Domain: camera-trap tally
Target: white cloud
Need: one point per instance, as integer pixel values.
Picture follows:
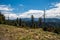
(11, 16)
(5, 8)
(51, 13)
(54, 12)
(35, 13)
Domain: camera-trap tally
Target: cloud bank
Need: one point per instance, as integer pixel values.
(7, 11)
(51, 13)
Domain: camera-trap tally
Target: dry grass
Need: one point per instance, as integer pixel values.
(14, 33)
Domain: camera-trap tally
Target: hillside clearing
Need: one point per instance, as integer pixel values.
(15, 33)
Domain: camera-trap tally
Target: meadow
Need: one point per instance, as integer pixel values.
(8, 32)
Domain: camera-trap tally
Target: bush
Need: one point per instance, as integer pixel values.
(57, 30)
(50, 29)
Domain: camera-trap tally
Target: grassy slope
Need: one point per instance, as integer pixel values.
(14, 33)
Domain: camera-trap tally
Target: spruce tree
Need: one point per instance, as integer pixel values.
(32, 21)
(2, 18)
(20, 22)
(39, 22)
(17, 22)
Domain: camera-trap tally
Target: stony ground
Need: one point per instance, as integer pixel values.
(14, 33)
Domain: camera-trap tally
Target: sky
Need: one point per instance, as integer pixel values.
(26, 8)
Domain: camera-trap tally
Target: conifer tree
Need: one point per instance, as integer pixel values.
(20, 22)
(32, 21)
(17, 22)
(2, 18)
(39, 22)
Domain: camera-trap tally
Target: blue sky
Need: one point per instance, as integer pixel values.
(26, 8)
(24, 5)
